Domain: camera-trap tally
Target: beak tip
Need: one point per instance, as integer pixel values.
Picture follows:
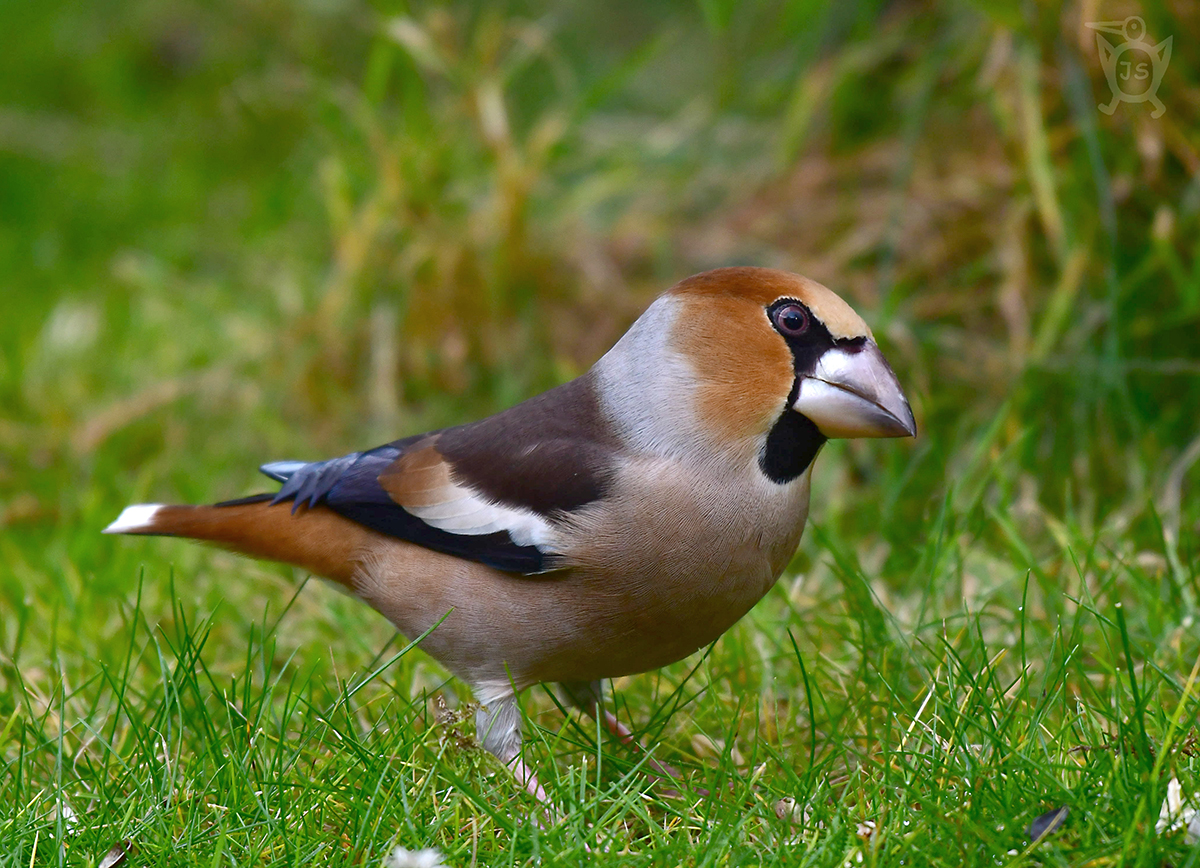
(902, 426)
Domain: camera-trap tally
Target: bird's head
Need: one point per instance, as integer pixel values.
(754, 355)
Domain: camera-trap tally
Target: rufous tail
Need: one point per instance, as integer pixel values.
(317, 539)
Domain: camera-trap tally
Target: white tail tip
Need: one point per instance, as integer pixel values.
(134, 518)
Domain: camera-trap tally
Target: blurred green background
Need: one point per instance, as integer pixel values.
(352, 219)
(234, 232)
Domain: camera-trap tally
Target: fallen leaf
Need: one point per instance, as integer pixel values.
(1047, 823)
(116, 856)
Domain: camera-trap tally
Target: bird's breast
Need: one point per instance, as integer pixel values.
(675, 561)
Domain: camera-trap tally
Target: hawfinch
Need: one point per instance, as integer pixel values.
(609, 526)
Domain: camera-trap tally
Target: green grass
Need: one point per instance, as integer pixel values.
(238, 232)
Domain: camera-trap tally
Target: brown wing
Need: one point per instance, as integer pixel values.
(489, 491)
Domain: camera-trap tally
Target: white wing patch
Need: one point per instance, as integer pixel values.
(422, 483)
(466, 512)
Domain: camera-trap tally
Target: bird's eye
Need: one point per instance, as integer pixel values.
(791, 319)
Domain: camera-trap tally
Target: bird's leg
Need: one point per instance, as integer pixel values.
(589, 697)
(498, 728)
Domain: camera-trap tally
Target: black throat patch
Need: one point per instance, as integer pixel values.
(792, 444)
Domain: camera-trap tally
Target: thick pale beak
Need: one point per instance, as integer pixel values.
(855, 394)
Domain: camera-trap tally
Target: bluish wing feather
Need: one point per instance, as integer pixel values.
(309, 482)
(281, 471)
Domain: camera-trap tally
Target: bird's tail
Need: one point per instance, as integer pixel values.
(315, 539)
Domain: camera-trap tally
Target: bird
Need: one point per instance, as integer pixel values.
(609, 526)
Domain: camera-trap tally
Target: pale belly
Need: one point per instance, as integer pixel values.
(614, 613)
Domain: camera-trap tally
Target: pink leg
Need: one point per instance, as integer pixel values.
(527, 778)
(588, 697)
(622, 733)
